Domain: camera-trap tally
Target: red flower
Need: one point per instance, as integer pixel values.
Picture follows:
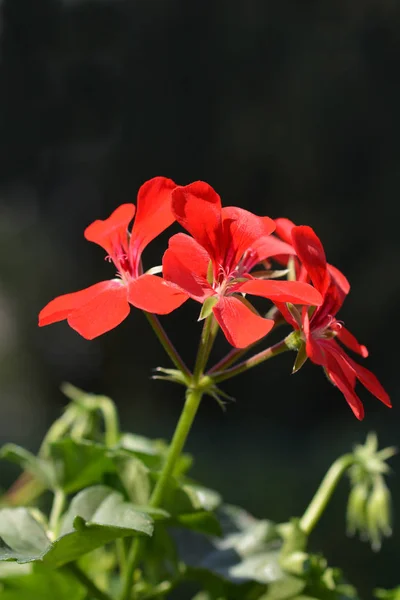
(320, 329)
(105, 305)
(284, 228)
(214, 265)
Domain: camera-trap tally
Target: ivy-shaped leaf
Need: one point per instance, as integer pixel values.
(96, 516)
(79, 464)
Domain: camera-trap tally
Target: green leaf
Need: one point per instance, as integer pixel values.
(284, 588)
(44, 584)
(387, 594)
(202, 497)
(135, 478)
(301, 358)
(79, 464)
(243, 533)
(263, 568)
(41, 469)
(96, 516)
(188, 497)
(153, 452)
(101, 505)
(22, 538)
(207, 307)
(161, 561)
(200, 521)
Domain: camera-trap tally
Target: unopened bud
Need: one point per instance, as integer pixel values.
(379, 513)
(356, 509)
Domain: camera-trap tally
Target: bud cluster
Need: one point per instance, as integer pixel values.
(369, 503)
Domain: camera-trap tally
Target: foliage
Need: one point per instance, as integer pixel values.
(101, 499)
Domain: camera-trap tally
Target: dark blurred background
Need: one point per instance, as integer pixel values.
(288, 109)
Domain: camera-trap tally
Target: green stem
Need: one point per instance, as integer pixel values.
(56, 511)
(88, 583)
(167, 344)
(228, 360)
(183, 427)
(58, 429)
(208, 334)
(178, 441)
(192, 403)
(236, 353)
(111, 422)
(323, 494)
(255, 360)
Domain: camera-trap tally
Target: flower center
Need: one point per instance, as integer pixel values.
(122, 262)
(227, 278)
(328, 329)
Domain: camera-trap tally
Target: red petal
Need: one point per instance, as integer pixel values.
(370, 381)
(315, 350)
(333, 300)
(190, 254)
(155, 295)
(103, 312)
(197, 208)
(325, 353)
(311, 253)
(240, 325)
(242, 230)
(284, 229)
(283, 309)
(350, 341)
(63, 306)
(295, 292)
(272, 246)
(154, 213)
(339, 279)
(342, 359)
(112, 231)
(338, 377)
(178, 273)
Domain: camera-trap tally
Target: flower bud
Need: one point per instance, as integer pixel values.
(368, 508)
(356, 509)
(378, 511)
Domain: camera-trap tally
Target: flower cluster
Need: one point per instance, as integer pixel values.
(225, 256)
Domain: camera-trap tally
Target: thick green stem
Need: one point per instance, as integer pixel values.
(91, 587)
(167, 344)
(185, 422)
(323, 494)
(255, 360)
(186, 419)
(192, 403)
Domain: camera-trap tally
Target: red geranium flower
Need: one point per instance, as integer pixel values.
(103, 306)
(321, 330)
(214, 265)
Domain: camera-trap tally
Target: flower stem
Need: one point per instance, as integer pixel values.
(111, 423)
(193, 398)
(228, 360)
(91, 587)
(56, 511)
(255, 360)
(167, 344)
(322, 496)
(186, 419)
(208, 334)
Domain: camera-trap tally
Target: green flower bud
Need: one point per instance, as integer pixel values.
(368, 508)
(378, 512)
(356, 509)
